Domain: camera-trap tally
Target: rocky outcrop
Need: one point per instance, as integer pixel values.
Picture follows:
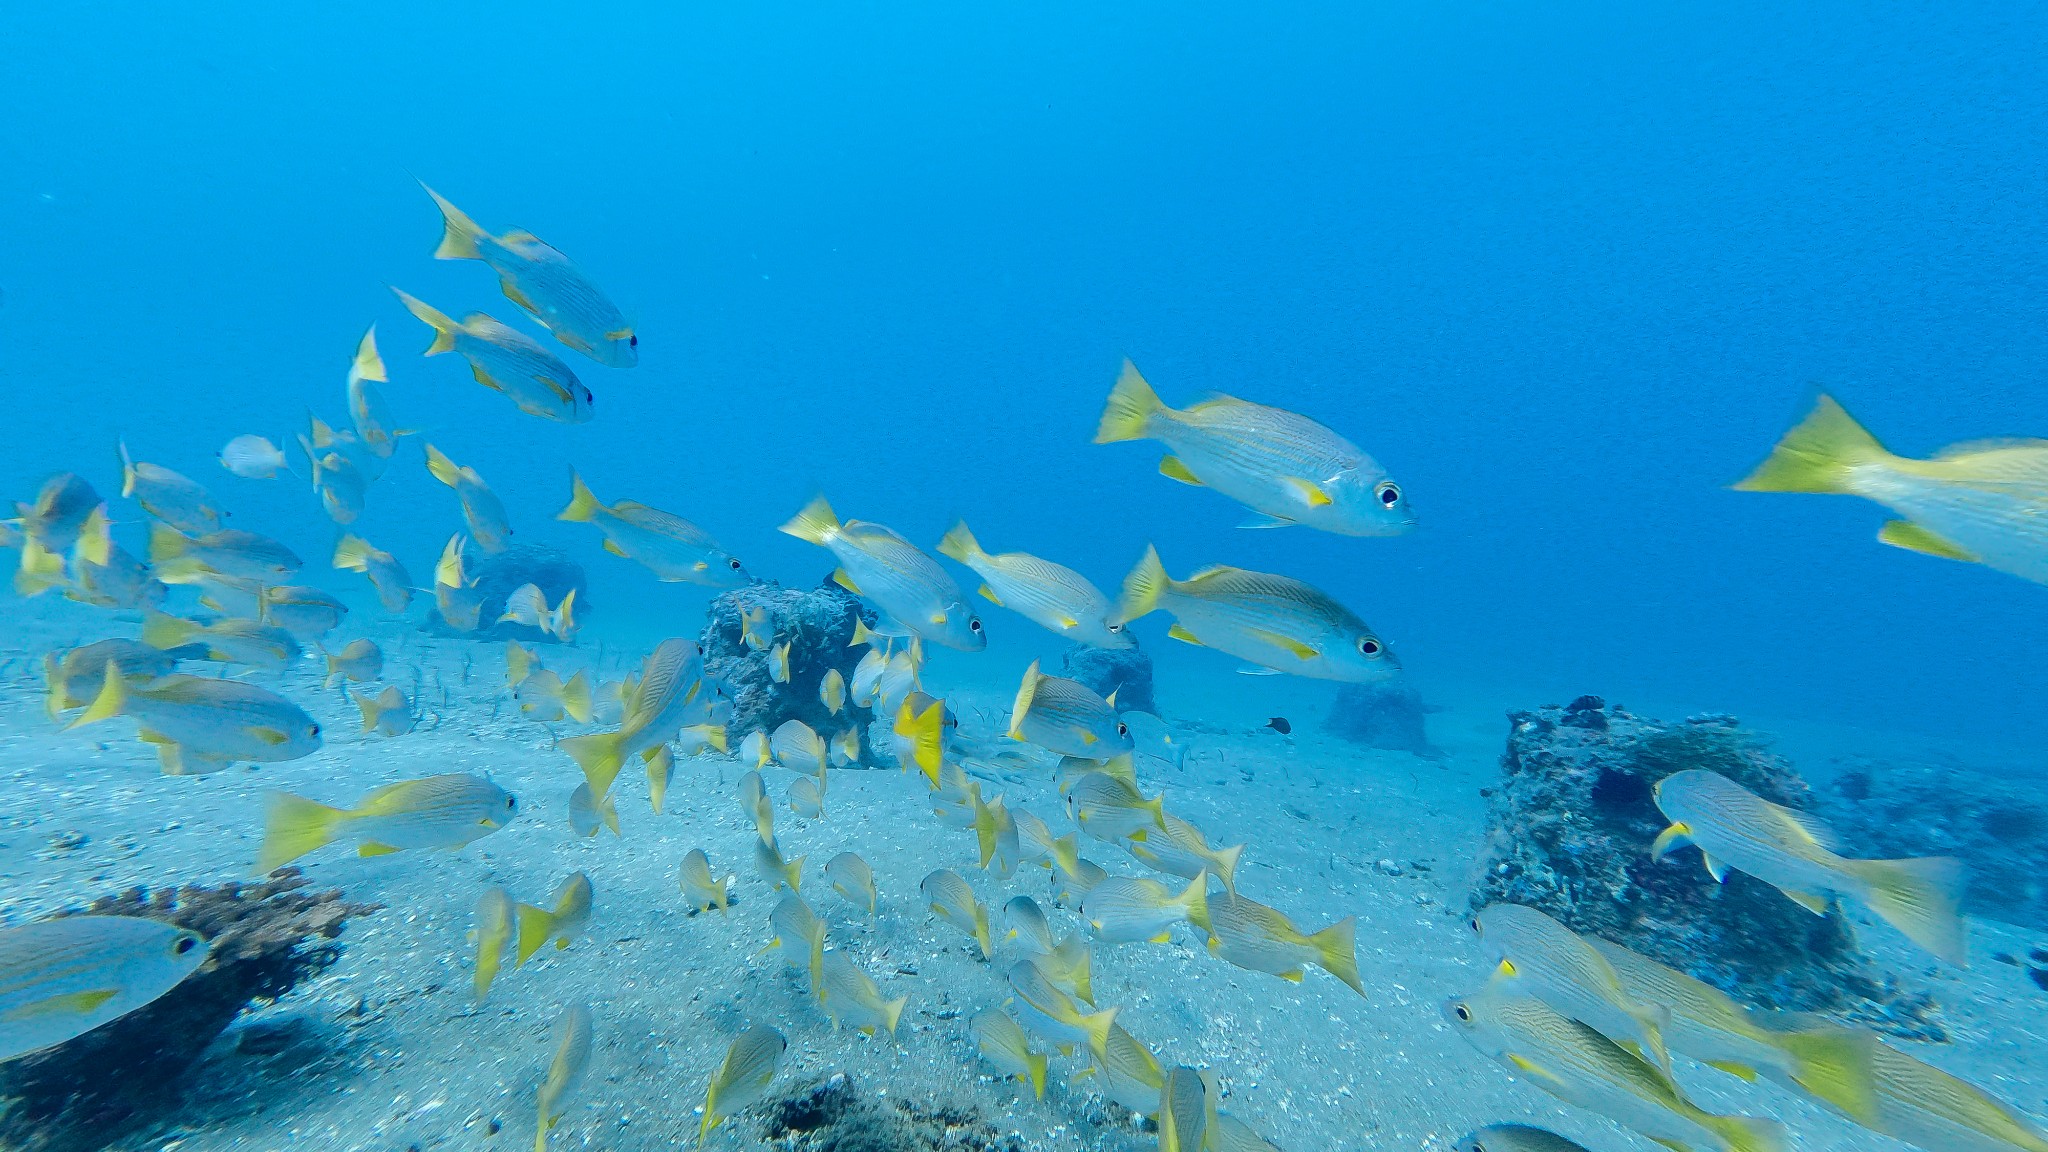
(1385, 715)
(818, 627)
(1124, 671)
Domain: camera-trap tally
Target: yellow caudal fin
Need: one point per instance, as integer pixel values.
(583, 503)
(458, 234)
(161, 631)
(1834, 1065)
(1142, 588)
(1131, 406)
(443, 469)
(1817, 455)
(535, 926)
(367, 365)
(444, 328)
(816, 523)
(95, 537)
(1226, 865)
(1337, 946)
(127, 471)
(1922, 898)
(926, 732)
(1027, 691)
(294, 826)
(599, 756)
(111, 701)
(1747, 1133)
(1096, 1025)
(40, 571)
(960, 544)
(576, 698)
(368, 706)
(169, 555)
(1195, 898)
(352, 553)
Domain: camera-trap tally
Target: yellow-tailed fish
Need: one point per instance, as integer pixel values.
(508, 362)
(851, 877)
(1187, 1112)
(375, 428)
(231, 552)
(1041, 591)
(545, 283)
(456, 598)
(754, 751)
(1261, 939)
(832, 691)
(1002, 1042)
(952, 900)
(1534, 955)
(1026, 924)
(697, 739)
(342, 486)
(800, 935)
(807, 798)
(520, 662)
(546, 697)
(1982, 503)
(753, 794)
(1069, 967)
(1277, 623)
(743, 1078)
(1578, 1065)
(1128, 1073)
(388, 713)
(528, 605)
(661, 768)
(564, 917)
(671, 677)
(62, 509)
(40, 570)
(482, 511)
(387, 575)
(1067, 717)
(796, 747)
(446, 811)
(1124, 909)
(846, 748)
(171, 497)
(1035, 842)
(954, 801)
(1052, 1015)
(1072, 769)
(496, 927)
(1108, 808)
(1514, 1138)
(754, 631)
(300, 610)
(701, 887)
(867, 675)
(200, 724)
(672, 548)
(1178, 848)
(770, 865)
(1928, 1108)
(1280, 464)
(920, 733)
(252, 457)
(321, 441)
(229, 641)
(76, 675)
(995, 834)
(1794, 852)
(880, 566)
(121, 582)
(358, 660)
(587, 814)
(63, 977)
(898, 682)
(853, 1000)
(565, 1071)
(778, 663)
(1078, 877)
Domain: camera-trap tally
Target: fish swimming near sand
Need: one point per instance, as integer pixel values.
(1048, 594)
(665, 544)
(446, 811)
(199, 724)
(565, 1072)
(1277, 623)
(880, 566)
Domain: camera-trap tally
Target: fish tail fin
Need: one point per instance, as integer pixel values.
(562, 621)
(1195, 898)
(1747, 1133)
(1096, 1025)
(444, 328)
(1226, 865)
(1920, 897)
(352, 552)
(892, 1012)
(1338, 947)
(111, 701)
(583, 503)
(1834, 1065)
(170, 558)
(1026, 692)
(1131, 406)
(816, 523)
(599, 756)
(959, 543)
(445, 470)
(165, 632)
(367, 704)
(518, 663)
(793, 873)
(1034, 1073)
(367, 365)
(1817, 455)
(127, 471)
(535, 926)
(1143, 587)
(294, 826)
(926, 733)
(53, 676)
(40, 571)
(458, 231)
(95, 537)
(576, 697)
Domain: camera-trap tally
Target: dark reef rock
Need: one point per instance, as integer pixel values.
(834, 1115)
(497, 577)
(818, 625)
(1124, 671)
(1997, 829)
(1386, 715)
(90, 1092)
(1569, 831)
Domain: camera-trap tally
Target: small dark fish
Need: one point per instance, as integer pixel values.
(1279, 724)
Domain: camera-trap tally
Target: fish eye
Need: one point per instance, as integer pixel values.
(1115, 628)
(183, 945)
(1476, 1146)
(1123, 729)
(632, 341)
(1473, 923)
(733, 564)
(1463, 1013)
(314, 730)
(974, 623)
(1389, 493)
(1367, 646)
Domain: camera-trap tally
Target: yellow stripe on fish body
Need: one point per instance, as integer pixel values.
(894, 575)
(210, 723)
(1128, 1073)
(181, 559)
(1126, 909)
(508, 362)
(1178, 848)
(1052, 1015)
(743, 1077)
(446, 811)
(179, 501)
(1067, 717)
(1003, 1043)
(1251, 935)
(63, 977)
(1048, 594)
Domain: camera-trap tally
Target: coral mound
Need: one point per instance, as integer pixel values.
(497, 577)
(817, 625)
(1124, 671)
(1387, 715)
(833, 1115)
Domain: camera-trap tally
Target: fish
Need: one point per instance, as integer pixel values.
(1928, 1108)
(1514, 1138)
(528, 605)
(122, 581)
(754, 749)
(807, 798)
(1127, 1072)
(1067, 717)
(1178, 848)
(1261, 939)
(587, 814)
(846, 748)
(229, 641)
(343, 487)
(565, 1072)
(867, 675)
(1080, 877)
(698, 739)
(482, 511)
(743, 1077)
(546, 697)
(675, 550)
(300, 609)
(546, 284)
(851, 877)
(753, 794)
(1108, 808)
(920, 734)
(520, 663)
(359, 660)
(66, 509)
(832, 691)
(1002, 1042)
(252, 457)
(1794, 852)
(754, 630)
(1982, 502)
(995, 835)
(801, 937)
(778, 663)
(1069, 967)
(388, 713)
(1280, 464)
(1027, 925)
(181, 503)
(703, 890)
(508, 362)
(200, 724)
(771, 866)
(565, 916)
(496, 927)
(1051, 1014)
(76, 675)
(1233, 1135)
(1534, 955)
(1125, 909)
(456, 597)
(671, 678)
(880, 566)
(62, 977)
(392, 582)
(1578, 1065)
(445, 811)
(375, 429)
(1047, 594)
(1187, 1112)
(952, 900)
(1277, 623)
(853, 1000)
(230, 552)
(1035, 842)
(796, 747)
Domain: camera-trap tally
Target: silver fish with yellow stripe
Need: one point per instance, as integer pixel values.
(63, 977)
(672, 548)
(508, 362)
(199, 724)
(1277, 623)
(880, 566)
(1048, 594)
(446, 811)
(1067, 717)
(481, 508)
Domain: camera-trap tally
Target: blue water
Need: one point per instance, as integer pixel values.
(1566, 270)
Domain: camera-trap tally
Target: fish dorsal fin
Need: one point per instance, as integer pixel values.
(1969, 448)
(1308, 491)
(1300, 650)
(519, 236)
(1740, 1071)
(1180, 633)
(1807, 828)
(1172, 468)
(1913, 538)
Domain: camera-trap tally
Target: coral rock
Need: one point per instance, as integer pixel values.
(1387, 715)
(818, 625)
(497, 577)
(1124, 671)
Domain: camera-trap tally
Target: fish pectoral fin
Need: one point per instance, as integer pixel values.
(1258, 670)
(67, 1004)
(1162, 938)
(1740, 1071)
(154, 737)
(937, 617)
(1068, 624)
(612, 546)
(1818, 905)
(1289, 643)
(555, 386)
(619, 334)
(1294, 974)
(1310, 492)
(271, 736)
(1715, 868)
(989, 594)
(1912, 537)
(1183, 635)
(1171, 468)
(840, 578)
(1669, 839)
(1529, 1067)
(1263, 521)
(372, 848)
(1088, 738)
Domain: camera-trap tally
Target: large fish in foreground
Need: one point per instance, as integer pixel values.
(1277, 623)
(1983, 503)
(879, 565)
(1795, 853)
(63, 977)
(1275, 462)
(670, 695)
(200, 724)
